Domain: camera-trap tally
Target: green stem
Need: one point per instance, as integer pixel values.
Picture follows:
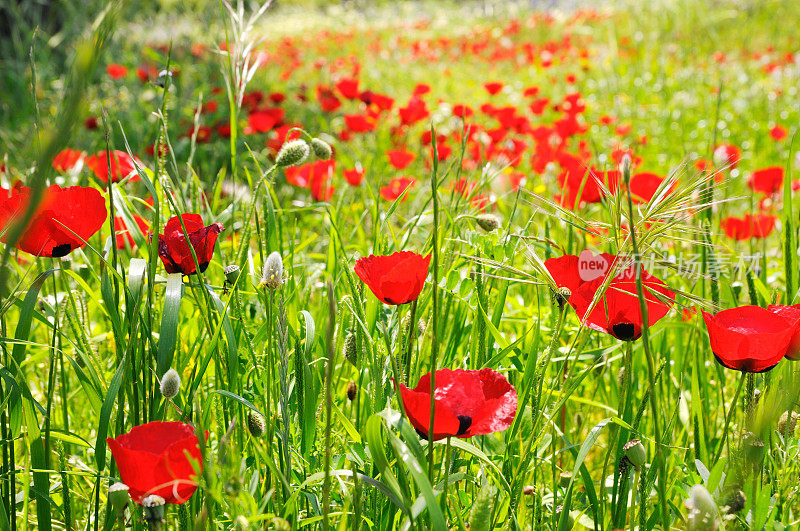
(728, 417)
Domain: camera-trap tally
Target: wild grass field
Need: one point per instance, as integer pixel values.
(414, 265)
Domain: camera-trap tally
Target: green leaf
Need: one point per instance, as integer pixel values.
(169, 322)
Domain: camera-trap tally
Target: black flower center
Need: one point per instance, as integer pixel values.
(464, 422)
(624, 331)
(61, 250)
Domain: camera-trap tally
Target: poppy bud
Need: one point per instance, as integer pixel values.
(561, 296)
(625, 168)
(256, 424)
(529, 490)
(232, 274)
(170, 384)
(321, 149)
(349, 349)
(153, 506)
(634, 451)
(488, 222)
(292, 152)
(734, 500)
(351, 391)
(753, 448)
(787, 423)
(564, 478)
(118, 498)
(481, 515)
(279, 524)
(272, 275)
(702, 510)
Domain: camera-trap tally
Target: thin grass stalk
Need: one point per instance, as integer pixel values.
(326, 488)
(660, 459)
(434, 297)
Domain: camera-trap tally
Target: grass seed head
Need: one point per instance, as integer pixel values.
(349, 349)
(352, 389)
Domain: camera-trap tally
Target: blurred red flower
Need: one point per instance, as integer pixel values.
(778, 133)
(766, 180)
(123, 236)
(727, 156)
(750, 226)
(174, 250)
(493, 88)
(64, 219)
(348, 87)
(400, 158)
(467, 403)
(158, 458)
(122, 165)
(67, 159)
(116, 71)
(396, 187)
(354, 176)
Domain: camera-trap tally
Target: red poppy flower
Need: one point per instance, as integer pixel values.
(328, 101)
(122, 165)
(175, 252)
(749, 338)
(755, 226)
(67, 159)
(123, 236)
(395, 279)
(116, 71)
(727, 155)
(354, 176)
(400, 158)
(264, 120)
(396, 187)
(359, 123)
(348, 87)
(644, 185)
(158, 458)
(778, 133)
(65, 218)
(462, 111)
(466, 403)
(618, 311)
(766, 180)
(792, 315)
(414, 111)
(493, 87)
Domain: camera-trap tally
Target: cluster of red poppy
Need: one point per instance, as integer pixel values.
(467, 402)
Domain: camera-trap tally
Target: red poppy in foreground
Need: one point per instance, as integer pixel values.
(750, 338)
(175, 252)
(64, 220)
(467, 403)
(617, 311)
(395, 279)
(791, 314)
(396, 187)
(158, 458)
(122, 165)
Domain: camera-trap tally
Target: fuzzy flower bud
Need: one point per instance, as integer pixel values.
(170, 384)
(634, 451)
(272, 275)
(256, 424)
(292, 152)
(241, 523)
(118, 498)
(153, 506)
(280, 524)
(321, 149)
(232, 274)
(488, 222)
